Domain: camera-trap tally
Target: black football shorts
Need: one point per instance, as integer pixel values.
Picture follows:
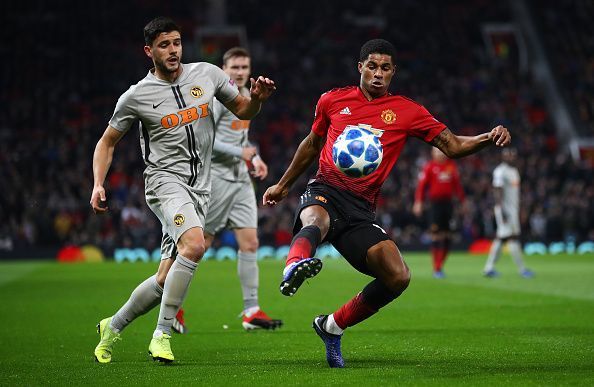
(353, 229)
(441, 214)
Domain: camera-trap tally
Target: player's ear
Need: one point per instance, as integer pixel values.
(148, 51)
(360, 66)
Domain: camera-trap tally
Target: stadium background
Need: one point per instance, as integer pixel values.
(528, 65)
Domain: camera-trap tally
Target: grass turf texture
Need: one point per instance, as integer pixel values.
(464, 330)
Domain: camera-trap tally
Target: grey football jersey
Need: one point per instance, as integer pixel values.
(507, 178)
(176, 121)
(230, 130)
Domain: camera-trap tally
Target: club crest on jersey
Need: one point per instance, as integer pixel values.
(197, 92)
(179, 219)
(376, 132)
(388, 116)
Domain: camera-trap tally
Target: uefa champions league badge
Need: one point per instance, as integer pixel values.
(376, 132)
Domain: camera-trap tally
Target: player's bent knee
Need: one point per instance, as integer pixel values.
(191, 244)
(385, 261)
(399, 281)
(250, 246)
(377, 294)
(193, 251)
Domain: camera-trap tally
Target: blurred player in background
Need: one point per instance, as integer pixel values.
(341, 209)
(440, 182)
(174, 106)
(506, 190)
(233, 198)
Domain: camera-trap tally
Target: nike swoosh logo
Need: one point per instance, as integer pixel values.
(168, 318)
(157, 105)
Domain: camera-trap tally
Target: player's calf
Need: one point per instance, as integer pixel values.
(304, 243)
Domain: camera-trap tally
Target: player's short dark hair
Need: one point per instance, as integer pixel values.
(156, 26)
(377, 46)
(235, 52)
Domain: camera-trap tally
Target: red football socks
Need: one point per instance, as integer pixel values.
(304, 244)
(435, 253)
(353, 312)
(439, 252)
(442, 257)
(300, 248)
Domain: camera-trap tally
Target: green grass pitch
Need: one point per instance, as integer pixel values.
(464, 330)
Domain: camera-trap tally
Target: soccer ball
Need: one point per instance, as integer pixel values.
(357, 152)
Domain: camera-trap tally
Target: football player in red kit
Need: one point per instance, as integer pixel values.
(340, 209)
(440, 182)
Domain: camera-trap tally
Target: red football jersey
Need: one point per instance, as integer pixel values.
(392, 118)
(442, 179)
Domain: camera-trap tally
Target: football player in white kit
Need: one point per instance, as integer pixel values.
(233, 202)
(174, 104)
(506, 184)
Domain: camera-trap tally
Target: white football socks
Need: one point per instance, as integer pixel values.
(494, 254)
(175, 291)
(515, 249)
(247, 269)
(330, 326)
(145, 297)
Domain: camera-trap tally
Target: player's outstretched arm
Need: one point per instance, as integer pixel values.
(101, 162)
(308, 151)
(459, 146)
(247, 108)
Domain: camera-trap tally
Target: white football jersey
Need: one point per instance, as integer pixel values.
(507, 178)
(176, 121)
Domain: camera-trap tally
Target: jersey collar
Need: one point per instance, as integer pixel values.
(152, 75)
(364, 98)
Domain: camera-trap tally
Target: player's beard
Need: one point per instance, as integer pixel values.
(161, 65)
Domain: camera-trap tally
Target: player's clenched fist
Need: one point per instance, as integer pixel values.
(500, 136)
(274, 194)
(98, 200)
